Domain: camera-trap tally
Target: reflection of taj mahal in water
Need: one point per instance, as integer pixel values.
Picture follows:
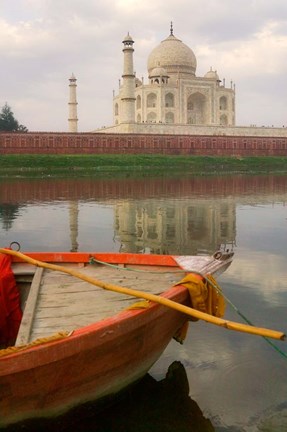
(191, 215)
(185, 228)
(163, 215)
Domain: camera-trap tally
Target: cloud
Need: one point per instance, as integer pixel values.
(43, 42)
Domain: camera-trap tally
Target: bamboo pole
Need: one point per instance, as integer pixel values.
(230, 325)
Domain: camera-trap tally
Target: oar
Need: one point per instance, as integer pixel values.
(153, 298)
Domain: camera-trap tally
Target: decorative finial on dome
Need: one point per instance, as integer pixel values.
(171, 29)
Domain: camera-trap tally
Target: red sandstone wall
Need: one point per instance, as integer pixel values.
(91, 143)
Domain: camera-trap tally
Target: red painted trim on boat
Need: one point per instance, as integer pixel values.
(109, 257)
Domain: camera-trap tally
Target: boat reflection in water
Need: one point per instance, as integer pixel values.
(148, 406)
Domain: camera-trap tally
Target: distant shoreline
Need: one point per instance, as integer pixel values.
(142, 165)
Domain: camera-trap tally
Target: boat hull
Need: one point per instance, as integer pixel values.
(93, 362)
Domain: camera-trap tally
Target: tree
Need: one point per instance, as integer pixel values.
(8, 123)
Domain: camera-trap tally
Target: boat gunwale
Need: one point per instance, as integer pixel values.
(97, 326)
(108, 257)
(38, 353)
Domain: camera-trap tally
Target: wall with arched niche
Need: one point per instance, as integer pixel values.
(151, 100)
(169, 117)
(223, 120)
(196, 108)
(138, 102)
(151, 117)
(223, 105)
(169, 100)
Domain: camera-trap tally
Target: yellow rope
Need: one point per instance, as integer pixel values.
(154, 298)
(39, 341)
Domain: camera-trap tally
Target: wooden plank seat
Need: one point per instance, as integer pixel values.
(20, 269)
(29, 311)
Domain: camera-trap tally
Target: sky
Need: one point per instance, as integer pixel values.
(42, 42)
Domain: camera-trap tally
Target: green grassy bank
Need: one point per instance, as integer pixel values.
(82, 165)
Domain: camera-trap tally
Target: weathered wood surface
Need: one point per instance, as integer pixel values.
(23, 269)
(60, 302)
(67, 303)
(30, 308)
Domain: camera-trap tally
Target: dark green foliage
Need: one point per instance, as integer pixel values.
(8, 123)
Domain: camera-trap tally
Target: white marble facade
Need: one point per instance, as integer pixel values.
(173, 94)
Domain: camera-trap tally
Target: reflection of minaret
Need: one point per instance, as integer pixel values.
(73, 218)
(73, 118)
(128, 88)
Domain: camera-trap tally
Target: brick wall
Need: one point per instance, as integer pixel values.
(103, 143)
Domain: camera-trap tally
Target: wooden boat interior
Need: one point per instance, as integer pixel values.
(53, 301)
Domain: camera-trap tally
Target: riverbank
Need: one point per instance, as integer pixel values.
(83, 165)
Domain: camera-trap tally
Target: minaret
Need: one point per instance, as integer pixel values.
(73, 118)
(127, 114)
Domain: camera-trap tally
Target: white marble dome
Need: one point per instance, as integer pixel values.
(211, 74)
(174, 56)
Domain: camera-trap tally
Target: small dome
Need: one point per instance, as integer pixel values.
(174, 56)
(211, 74)
(158, 72)
(138, 82)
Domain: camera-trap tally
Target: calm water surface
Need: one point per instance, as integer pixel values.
(236, 382)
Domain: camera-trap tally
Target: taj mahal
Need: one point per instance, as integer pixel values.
(173, 100)
(173, 94)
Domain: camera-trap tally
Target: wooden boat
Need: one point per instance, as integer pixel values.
(79, 342)
(108, 346)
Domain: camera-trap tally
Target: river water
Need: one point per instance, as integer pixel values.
(220, 380)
